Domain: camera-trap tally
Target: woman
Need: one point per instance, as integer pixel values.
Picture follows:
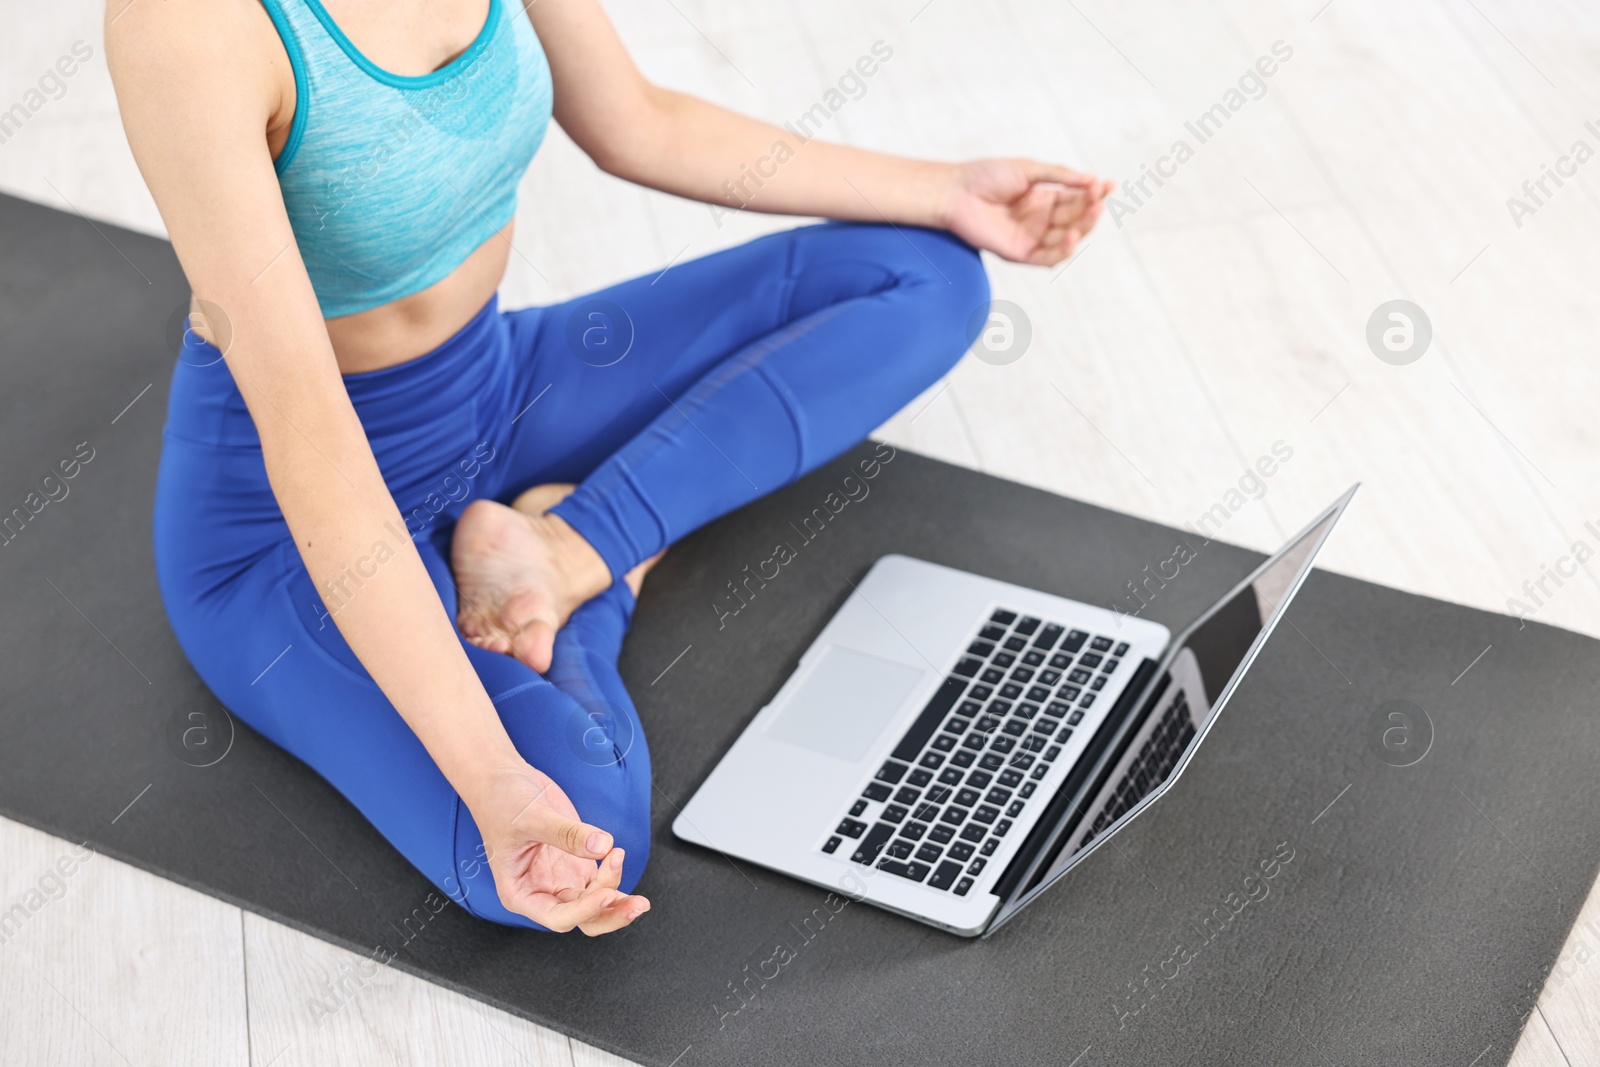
(339, 180)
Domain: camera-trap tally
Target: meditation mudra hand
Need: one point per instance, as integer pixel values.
(366, 363)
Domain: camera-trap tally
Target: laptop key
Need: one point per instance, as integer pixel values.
(913, 831)
(891, 772)
(858, 807)
(944, 742)
(962, 887)
(959, 725)
(1016, 644)
(1032, 658)
(1089, 659)
(1027, 625)
(832, 845)
(992, 761)
(1022, 761)
(1066, 732)
(1099, 682)
(939, 794)
(994, 676)
(1075, 718)
(1001, 827)
(974, 832)
(931, 761)
(1060, 660)
(1002, 659)
(1012, 778)
(976, 866)
(1028, 788)
(1015, 809)
(1111, 666)
(963, 757)
(997, 795)
(872, 844)
(1039, 693)
(999, 708)
(930, 854)
(944, 875)
(969, 667)
(967, 797)
(920, 777)
(926, 812)
(1003, 617)
(1015, 727)
(981, 649)
(1121, 650)
(954, 816)
(987, 725)
(980, 692)
(986, 814)
(1069, 693)
(975, 741)
(989, 846)
(961, 851)
(905, 795)
(1026, 710)
(992, 633)
(1050, 677)
(899, 849)
(914, 871)
(894, 813)
(1046, 726)
(950, 775)
(1033, 743)
(1101, 644)
(1079, 676)
(1051, 753)
(941, 833)
(1010, 691)
(1022, 674)
(1088, 698)
(1002, 745)
(1074, 641)
(876, 791)
(1039, 771)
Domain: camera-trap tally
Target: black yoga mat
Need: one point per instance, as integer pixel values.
(1300, 898)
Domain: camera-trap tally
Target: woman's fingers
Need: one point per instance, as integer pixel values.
(617, 914)
(601, 908)
(576, 838)
(1051, 172)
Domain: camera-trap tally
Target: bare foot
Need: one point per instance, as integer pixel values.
(521, 573)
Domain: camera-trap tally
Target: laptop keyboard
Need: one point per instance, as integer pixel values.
(1156, 758)
(970, 764)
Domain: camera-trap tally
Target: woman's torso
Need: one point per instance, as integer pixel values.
(411, 40)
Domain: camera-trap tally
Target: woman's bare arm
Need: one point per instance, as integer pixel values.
(1018, 208)
(197, 87)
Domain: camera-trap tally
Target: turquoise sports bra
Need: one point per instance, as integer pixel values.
(391, 180)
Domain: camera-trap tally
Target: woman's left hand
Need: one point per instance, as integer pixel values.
(1023, 210)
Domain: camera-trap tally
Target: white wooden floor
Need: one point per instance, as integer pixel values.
(1228, 312)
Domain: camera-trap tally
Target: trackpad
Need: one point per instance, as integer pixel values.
(844, 703)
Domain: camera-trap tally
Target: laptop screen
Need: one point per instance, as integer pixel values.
(1147, 749)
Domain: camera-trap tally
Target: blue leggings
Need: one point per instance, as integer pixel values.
(669, 399)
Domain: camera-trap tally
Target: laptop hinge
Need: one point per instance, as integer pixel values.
(1058, 819)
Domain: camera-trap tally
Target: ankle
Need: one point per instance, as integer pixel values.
(584, 569)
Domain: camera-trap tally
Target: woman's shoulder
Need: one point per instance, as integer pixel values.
(228, 50)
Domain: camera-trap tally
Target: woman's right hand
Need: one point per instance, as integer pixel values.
(548, 864)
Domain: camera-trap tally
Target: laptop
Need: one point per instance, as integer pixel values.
(950, 745)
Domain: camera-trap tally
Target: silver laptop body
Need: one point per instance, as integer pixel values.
(951, 745)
